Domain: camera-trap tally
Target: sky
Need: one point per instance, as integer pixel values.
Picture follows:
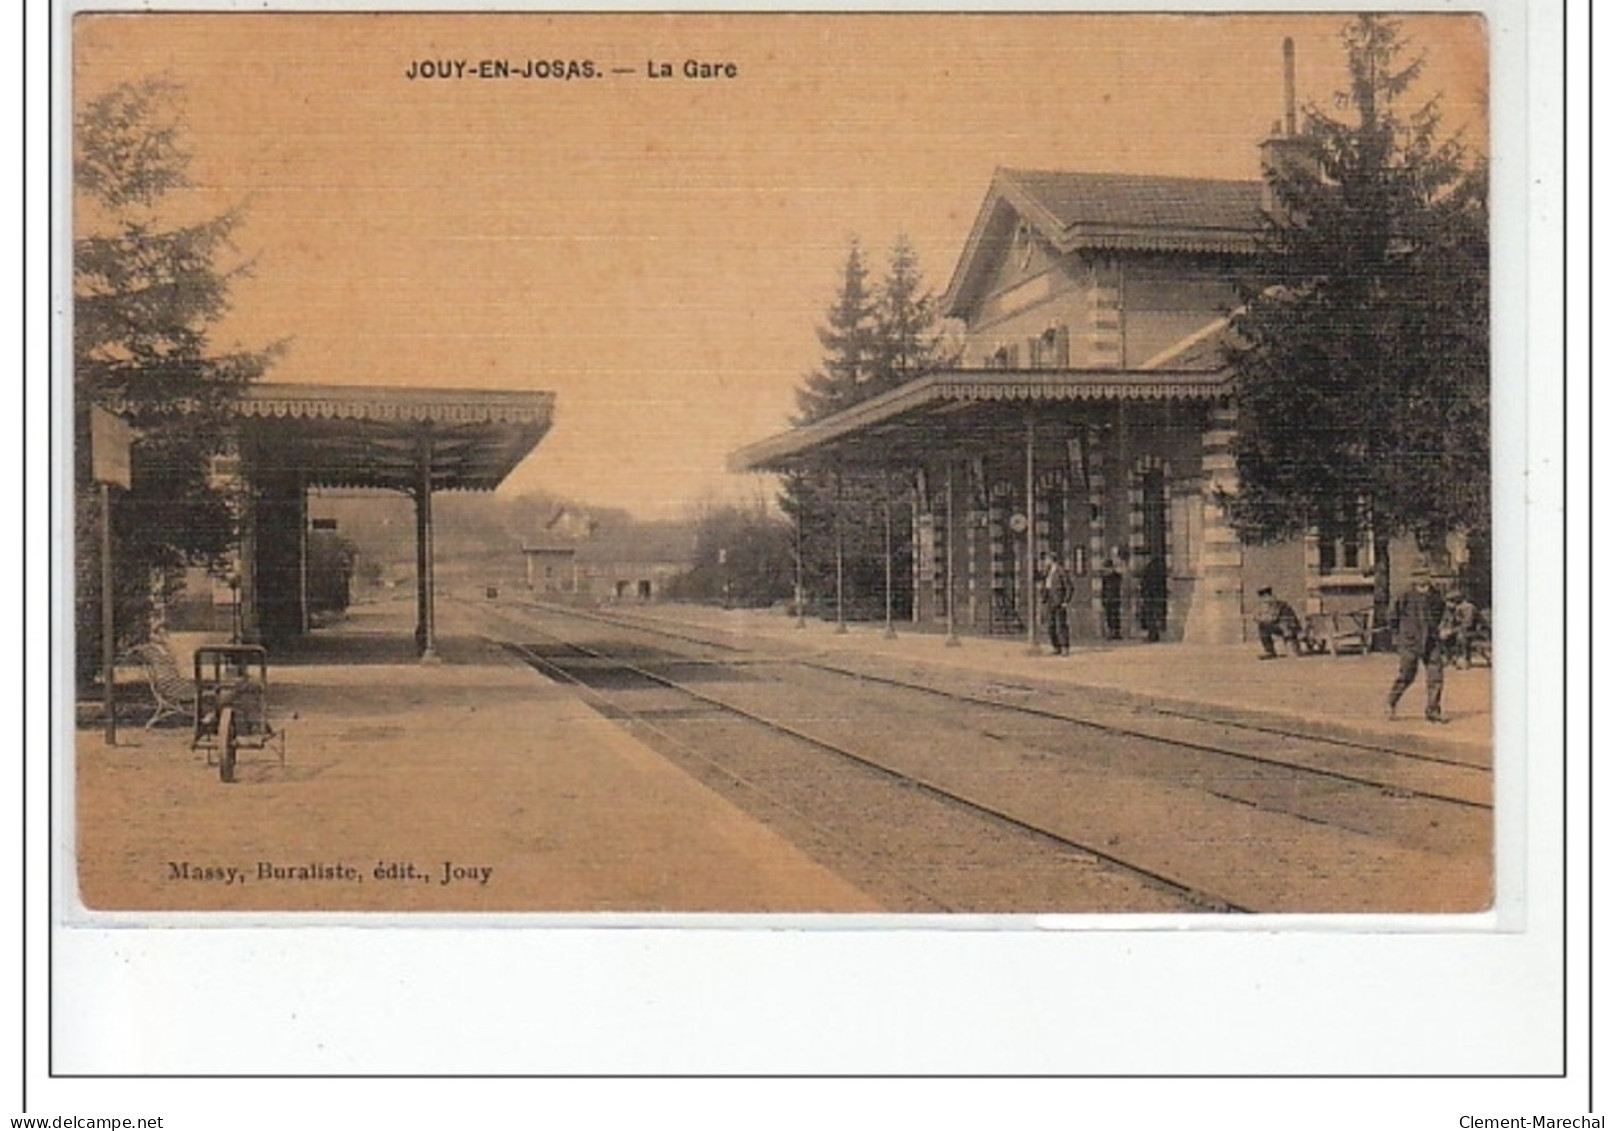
(659, 251)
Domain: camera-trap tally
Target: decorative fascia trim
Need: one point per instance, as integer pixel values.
(985, 385)
(1200, 387)
(1204, 240)
(449, 406)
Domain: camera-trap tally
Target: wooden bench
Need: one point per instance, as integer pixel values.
(1316, 630)
(1349, 632)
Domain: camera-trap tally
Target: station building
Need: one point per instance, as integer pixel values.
(1091, 415)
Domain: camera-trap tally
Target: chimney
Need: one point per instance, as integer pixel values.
(1281, 149)
(1289, 87)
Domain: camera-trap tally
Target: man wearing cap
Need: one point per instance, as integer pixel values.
(1274, 619)
(1416, 628)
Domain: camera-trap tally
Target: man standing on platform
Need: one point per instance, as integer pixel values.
(1058, 590)
(1110, 599)
(1416, 628)
(1152, 596)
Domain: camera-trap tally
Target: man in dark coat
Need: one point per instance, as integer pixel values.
(1416, 629)
(1058, 589)
(1152, 595)
(1110, 599)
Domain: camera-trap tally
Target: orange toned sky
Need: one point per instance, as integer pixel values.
(658, 252)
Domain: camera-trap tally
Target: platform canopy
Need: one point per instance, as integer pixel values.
(384, 436)
(957, 407)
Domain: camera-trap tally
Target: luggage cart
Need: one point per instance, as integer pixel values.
(232, 704)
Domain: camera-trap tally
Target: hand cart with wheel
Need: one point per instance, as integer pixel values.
(232, 704)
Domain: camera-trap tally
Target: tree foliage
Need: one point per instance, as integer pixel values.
(849, 339)
(148, 286)
(1360, 350)
(875, 338)
(742, 558)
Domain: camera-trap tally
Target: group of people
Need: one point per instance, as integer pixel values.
(1426, 628)
(1058, 590)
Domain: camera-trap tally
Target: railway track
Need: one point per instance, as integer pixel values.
(1105, 789)
(1189, 898)
(1411, 773)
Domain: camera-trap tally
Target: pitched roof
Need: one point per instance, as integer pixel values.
(1128, 200)
(639, 542)
(1113, 211)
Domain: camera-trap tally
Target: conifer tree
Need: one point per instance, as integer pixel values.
(874, 340)
(908, 342)
(1360, 351)
(849, 338)
(147, 287)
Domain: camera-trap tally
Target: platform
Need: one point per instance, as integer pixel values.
(399, 776)
(1339, 696)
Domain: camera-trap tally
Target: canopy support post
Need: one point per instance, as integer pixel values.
(425, 626)
(1031, 535)
(886, 508)
(801, 596)
(841, 609)
(953, 635)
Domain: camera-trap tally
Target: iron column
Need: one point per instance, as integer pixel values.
(953, 636)
(1031, 535)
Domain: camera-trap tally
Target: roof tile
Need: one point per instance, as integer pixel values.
(1128, 200)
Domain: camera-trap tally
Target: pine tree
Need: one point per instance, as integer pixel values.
(147, 286)
(1360, 351)
(874, 341)
(849, 338)
(908, 344)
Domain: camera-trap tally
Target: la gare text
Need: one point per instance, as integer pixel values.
(565, 70)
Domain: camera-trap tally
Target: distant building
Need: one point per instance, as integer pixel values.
(631, 563)
(551, 569)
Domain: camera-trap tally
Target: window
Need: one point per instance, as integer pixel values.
(1023, 245)
(1051, 349)
(1004, 357)
(1341, 547)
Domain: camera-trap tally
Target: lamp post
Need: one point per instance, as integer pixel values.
(110, 439)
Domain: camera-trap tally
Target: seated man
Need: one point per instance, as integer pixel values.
(1275, 618)
(1459, 625)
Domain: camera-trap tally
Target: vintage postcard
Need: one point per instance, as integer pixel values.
(841, 469)
(768, 463)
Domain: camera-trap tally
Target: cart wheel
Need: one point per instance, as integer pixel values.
(227, 744)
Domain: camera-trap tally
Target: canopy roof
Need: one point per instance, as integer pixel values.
(380, 436)
(959, 406)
